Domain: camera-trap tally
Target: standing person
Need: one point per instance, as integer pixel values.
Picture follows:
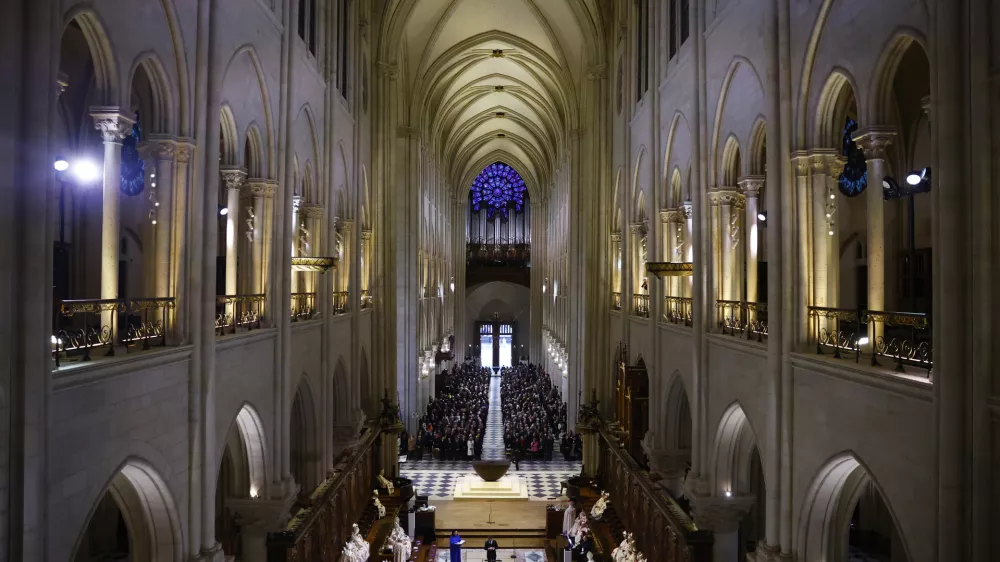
(470, 448)
(491, 549)
(569, 516)
(455, 547)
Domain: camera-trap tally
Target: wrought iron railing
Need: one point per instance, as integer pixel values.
(303, 306)
(640, 305)
(616, 301)
(79, 325)
(678, 310)
(905, 338)
(238, 311)
(366, 300)
(341, 300)
(741, 318)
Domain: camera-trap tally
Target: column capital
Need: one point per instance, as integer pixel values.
(233, 177)
(752, 185)
(874, 141)
(638, 228)
(311, 210)
(727, 196)
(259, 187)
(616, 237)
(675, 216)
(720, 514)
(111, 122)
(388, 69)
(366, 234)
(184, 148)
(345, 225)
(159, 147)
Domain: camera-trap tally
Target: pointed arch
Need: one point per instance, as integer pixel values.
(635, 188)
(106, 81)
(253, 152)
(737, 63)
(253, 438)
(880, 104)
(228, 143)
(160, 118)
(149, 511)
(757, 150)
(306, 113)
(732, 162)
(305, 446)
(675, 197)
(678, 416)
(270, 152)
(668, 153)
(838, 92)
(825, 516)
(735, 441)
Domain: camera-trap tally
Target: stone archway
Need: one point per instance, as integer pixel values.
(138, 498)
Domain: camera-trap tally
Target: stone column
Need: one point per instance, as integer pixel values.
(715, 236)
(255, 223)
(874, 141)
(312, 217)
(722, 515)
(257, 517)
(296, 239)
(366, 251)
(267, 242)
(346, 245)
(688, 249)
(822, 221)
(179, 251)
(113, 126)
(161, 151)
(616, 272)
(751, 186)
(233, 179)
(668, 238)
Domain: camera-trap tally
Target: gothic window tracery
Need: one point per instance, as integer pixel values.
(498, 188)
(854, 179)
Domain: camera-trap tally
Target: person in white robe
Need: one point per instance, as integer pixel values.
(569, 517)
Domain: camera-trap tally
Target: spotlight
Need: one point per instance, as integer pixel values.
(223, 211)
(762, 216)
(863, 340)
(61, 165)
(86, 171)
(914, 178)
(830, 232)
(833, 196)
(729, 494)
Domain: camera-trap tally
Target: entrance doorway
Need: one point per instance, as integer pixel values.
(496, 344)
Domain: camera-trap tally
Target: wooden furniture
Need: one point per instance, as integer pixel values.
(425, 526)
(318, 533)
(632, 402)
(662, 530)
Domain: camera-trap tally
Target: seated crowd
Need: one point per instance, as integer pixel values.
(455, 423)
(534, 415)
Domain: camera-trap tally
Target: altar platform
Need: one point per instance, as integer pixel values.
(508, 488)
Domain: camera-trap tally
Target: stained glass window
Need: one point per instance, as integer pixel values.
(854, 179)
(133, 173)
(498, 188)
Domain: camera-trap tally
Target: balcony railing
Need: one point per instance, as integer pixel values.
(366, 300)
(517, 255)
(79, 327)
(303, 306)
(905, 338)
(616, 301)
(238, 311)
(640, 305)
(740, 318)
(678, 310)
(340, 302)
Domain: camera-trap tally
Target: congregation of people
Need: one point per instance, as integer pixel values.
(534, 415)
(454, 424)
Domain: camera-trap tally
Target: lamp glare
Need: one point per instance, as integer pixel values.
(86, 171)
(61, 165)
(914, 178)
(224, 211)
(761, 216)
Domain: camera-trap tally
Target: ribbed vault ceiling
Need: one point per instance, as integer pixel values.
(478, 105)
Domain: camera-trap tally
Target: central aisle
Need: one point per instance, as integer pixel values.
(436, 478)
(493, 440)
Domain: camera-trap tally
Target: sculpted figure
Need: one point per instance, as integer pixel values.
(383, 481)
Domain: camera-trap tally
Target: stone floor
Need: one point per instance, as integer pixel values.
(502, 555)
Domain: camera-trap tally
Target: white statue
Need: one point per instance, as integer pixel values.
(384, 482)
(356, 549)
(378, 505)
(580, 527)
(569, 517)
(602, 504)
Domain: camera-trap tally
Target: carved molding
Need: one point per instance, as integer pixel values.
(638, 228)
(234, 178)
(389, 70)
(616, 237)
(112, 124)
(728, 196)
(311, 210)
(184, 148)
(258, 187)
(752, 185)
(874, 141)
(366, 234)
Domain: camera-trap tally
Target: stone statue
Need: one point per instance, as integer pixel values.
(383, 481)
(602, 504)
(378, 505)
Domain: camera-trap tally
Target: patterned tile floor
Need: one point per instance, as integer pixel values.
(503, 555)
(436, 479)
